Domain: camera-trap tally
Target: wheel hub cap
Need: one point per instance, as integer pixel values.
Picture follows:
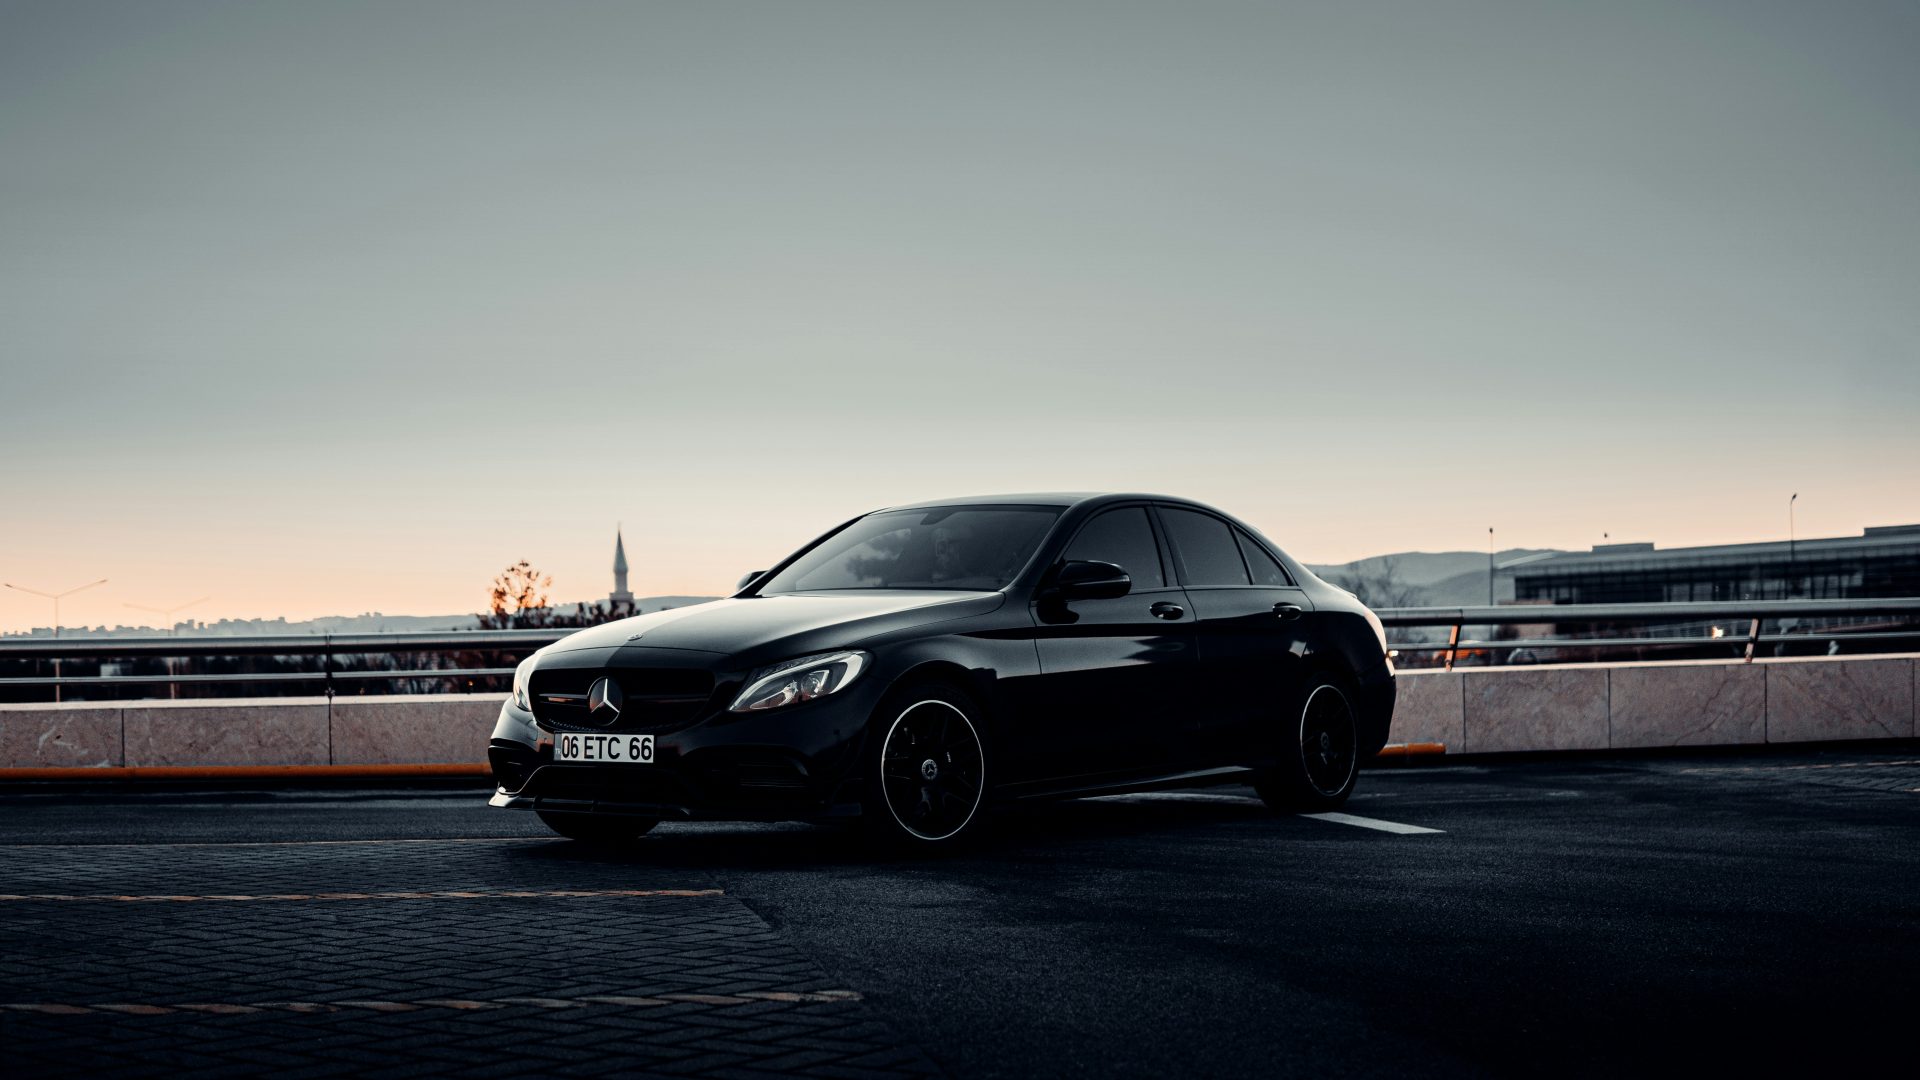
(930, 769)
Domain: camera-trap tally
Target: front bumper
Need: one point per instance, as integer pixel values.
(797, 763)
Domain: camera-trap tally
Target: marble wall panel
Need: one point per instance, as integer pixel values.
(1535, 709)
(1810, 700)
(267, 731)
(59, 736)
(1688, 705)
(413, 730)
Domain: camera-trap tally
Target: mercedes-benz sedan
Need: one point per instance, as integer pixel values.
(918, 664)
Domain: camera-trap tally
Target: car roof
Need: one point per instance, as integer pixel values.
(1041, 498)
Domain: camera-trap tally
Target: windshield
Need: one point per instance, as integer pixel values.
(947, 547)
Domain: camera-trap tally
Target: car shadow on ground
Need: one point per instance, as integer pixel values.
(1022, 830)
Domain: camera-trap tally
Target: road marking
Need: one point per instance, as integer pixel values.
(492, 894)
(1178, 796)
(1372, 823)
(751, 997)
(1801, 768)
(293, 843)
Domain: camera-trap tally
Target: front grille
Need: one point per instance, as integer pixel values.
(656, 699)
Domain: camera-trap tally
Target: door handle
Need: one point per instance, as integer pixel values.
(1165, 610)
(1287, 612)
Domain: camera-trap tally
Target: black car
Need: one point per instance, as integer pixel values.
(919, 663)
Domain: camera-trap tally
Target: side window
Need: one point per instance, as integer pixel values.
(1125, 538)
(1205, 547)
(1266, 569)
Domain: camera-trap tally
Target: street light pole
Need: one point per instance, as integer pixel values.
(1489, 566)
(56, 598)
(173, 630)
(1790, 542)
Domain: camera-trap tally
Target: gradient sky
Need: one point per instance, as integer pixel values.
(329, 308)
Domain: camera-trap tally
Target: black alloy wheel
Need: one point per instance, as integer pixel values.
(932, 768)
(601, 829)
(1319, 753)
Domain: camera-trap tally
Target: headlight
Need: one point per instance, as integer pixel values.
(804, 679)
(522, 678)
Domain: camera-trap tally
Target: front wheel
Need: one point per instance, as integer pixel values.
(929, 770)
(600, 829)
(1319, 753)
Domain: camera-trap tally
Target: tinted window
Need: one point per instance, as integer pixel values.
(1206, 548)
(1266, 569)
(1124, 537)
(947, 547)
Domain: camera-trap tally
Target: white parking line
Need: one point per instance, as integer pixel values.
(1372, 823)
(1178, 796)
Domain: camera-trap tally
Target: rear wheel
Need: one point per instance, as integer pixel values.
(929, 770)
(1319, 753)
(604, 829)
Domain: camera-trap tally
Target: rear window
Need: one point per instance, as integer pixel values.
(1205, 547)
(1266, 569)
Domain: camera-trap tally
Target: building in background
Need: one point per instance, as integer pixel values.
(620, 601)
(1880, 562)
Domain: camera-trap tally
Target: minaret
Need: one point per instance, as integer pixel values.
(621, 600)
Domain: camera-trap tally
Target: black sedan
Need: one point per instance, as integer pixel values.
(920, 663)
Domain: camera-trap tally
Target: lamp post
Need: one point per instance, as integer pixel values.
(56, 598)
(1489, 566)
(1790, 542)
(173, 630)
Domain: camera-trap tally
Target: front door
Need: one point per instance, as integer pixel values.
(1114, 673)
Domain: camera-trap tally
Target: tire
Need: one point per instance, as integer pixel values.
(1319, 756)
(600, 829)
(927, 768)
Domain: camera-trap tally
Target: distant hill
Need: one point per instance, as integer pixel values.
(1419, 578)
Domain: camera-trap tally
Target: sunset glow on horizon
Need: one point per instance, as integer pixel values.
(313, 345)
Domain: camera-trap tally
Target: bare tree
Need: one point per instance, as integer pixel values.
(519, 596)
(517, 600)
(1379, 586)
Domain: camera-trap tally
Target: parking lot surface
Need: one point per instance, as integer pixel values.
(1657, 914)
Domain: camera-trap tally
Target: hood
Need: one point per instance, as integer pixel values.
(742, 625)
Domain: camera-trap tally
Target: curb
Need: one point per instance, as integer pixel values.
(1413, 749)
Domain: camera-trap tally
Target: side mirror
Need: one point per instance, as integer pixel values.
(748, 579)
(1089, 580)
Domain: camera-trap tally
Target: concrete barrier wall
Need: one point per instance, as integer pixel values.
(1630, 706)
(1473, 710)
(376, 730)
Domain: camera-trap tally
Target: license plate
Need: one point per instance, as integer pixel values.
(603, 749)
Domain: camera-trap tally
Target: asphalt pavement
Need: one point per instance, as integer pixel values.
(1468, 917)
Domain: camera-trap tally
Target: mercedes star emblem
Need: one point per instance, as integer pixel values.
(603, 701)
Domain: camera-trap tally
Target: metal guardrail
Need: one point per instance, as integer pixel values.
(330, 647)
(325, 646)
(278, 644)
(1754, 613)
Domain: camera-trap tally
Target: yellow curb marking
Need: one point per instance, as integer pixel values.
(752, 997)
(569, 894)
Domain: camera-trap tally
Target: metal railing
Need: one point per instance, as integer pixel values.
(1701, 618)
(1690, 626)
(329, 648)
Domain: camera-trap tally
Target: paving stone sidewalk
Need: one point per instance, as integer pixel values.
(407, 958)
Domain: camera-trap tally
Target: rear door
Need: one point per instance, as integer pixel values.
(1115, 673)
(1250, 624)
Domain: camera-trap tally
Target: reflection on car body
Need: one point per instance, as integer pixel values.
(919, 663)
